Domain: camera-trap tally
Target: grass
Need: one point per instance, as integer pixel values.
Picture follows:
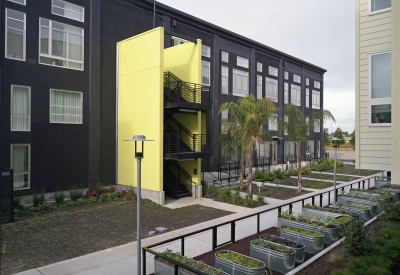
(279, 193)
(322, 176)
(313, 184)
(349, 169)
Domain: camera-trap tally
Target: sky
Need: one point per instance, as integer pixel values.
(321, 32)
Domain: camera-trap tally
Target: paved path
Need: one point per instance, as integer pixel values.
(121, 260)
(343, 155)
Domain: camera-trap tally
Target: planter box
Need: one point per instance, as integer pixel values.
(381, 181)
(161, 268)
(325, 214)
(297, 247)
(340, 225)
(363, 215)
(311, 244)
(236, 269)
(278, 261)
(331, 234)
(351, 200)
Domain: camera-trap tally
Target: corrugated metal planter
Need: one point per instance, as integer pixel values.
(161, 268)
(311, 244)
(279, 261)
(325, 214)
(363, 215)
(297, 247)
(350, 200)
(236, 269)
(341, 225)
(331, 233)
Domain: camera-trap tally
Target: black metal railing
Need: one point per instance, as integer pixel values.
(180, 176)
(364, 183)
(176, 90)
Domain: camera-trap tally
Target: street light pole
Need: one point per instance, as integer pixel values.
(334, 170)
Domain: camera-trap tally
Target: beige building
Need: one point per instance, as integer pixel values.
(377, 86)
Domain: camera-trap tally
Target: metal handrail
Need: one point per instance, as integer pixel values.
(175, 89)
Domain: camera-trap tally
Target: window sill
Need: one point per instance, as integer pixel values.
(380, 124)
(379, 11)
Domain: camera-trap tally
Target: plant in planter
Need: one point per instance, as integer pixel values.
(364, 213)
(314, 210)
(313, 240)
(238, 264)
(164, 267)
(296, 246)
(278, 257)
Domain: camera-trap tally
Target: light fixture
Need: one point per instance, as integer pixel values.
(187, 111)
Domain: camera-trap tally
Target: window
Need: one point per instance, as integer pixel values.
(377, 6)
(60, 45)
(259, 86)
(307, 121)
(296, 78)
(318, 148)
(205, 51)
(65, 107)
(295, 94)
(317, 84)
(259, 67)
(176, 42)
(286, 75)
(205, 72)
(15, 35)
(224, 57)
(285, 93)
(380, 89)
(307, 98)
(22, 2)
(20, 108)
(69, 10)
(20, 163)
(271, 89)
(240, 82)
(316, 100)
(224, 116)
(224, 80)
(272, 123)
(242, 62)
(272, 71)
(286, 119)
(307, 81)
(317, 126)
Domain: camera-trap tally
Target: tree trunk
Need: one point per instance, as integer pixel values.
(299, 166)
(250, 173)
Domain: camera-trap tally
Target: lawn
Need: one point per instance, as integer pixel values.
(279, 193)
(313, 183)
(322, 176)
(349, 169)
(46, 237)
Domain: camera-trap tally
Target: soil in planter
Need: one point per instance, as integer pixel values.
(243, 246)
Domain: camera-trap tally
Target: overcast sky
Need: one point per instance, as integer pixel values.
(318, 31)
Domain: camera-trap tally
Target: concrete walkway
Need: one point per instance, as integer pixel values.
(121, 260)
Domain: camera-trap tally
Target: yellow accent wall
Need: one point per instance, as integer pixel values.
(141, 107)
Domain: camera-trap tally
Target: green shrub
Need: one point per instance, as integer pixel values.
(357, 236)
(59, 197)
(236, 198)
(260, 199)
(110, 196)
(291, 172)
(38, 198)
(325, 164)
(75, 192)
(100, 189)
(17, 197)
(248, 202)
(278, 174)
(391, 211)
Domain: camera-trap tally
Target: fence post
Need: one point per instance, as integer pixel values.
(214, 238)
(320, 200)
(258, 223)
(183, 246)
(290, 208)
(312, 200)
(329, 197)
(144, 261)
(359, 184)
(363, 184)
(368, 183)
(233, 227)
(279, 211)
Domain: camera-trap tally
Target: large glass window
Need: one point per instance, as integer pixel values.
(240, 83)
(286, 119)
(20, 163)
(271, 89)
(242, 62)
(317, 126)
(259, 67)
(205, 72)
(259, 86)
(205, 51)
(316, 100)
(296, 78)
(69, 10)
(307, 98)
(15, 34)
(20, 108)
(272, 126)
(224, 80)
(286, 75)
(295, 94)
(65, 107)
(307, 81)
(22, 2)
(224, 116)
(380, 5)
(285, 93)
(317, 84)
(272, 71)
(380, 86)
(224, 57)
(60, 45)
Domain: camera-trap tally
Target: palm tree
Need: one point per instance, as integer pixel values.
(298, 128)
(247, 117)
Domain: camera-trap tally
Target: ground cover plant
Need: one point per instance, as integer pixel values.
(349, 169)
(276, 247)
(225, 195)
(240, 259)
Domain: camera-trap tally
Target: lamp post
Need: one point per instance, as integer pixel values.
(308, 153)
(139, 156)
(334, 139)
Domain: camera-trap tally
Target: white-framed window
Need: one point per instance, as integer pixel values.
(307, 81)
(295, 94)
(20, 108)
(259, 67)
(317, 126)
(318, 148)
(224, 80)
(240, 82)
(15, 38)
(272, 71)
(286, 119)
(20, 163)
(380, 89)
(308, 121)
(205, 73)
(242, 62)
(22, 2)
(224, 116)
(68, 10)
(259, 87)
(316, 100)
(307, 98)
(285, 93)
(271, 89)
(378, 6)
(61, 45)
(286, 75)
(205, 51)
(224, 57)
(296, 78)
(272, 126)
(317, 84)
(66, 107)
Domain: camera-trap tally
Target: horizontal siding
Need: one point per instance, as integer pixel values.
(375, 35)
(374, 136)
(376, 148)
(375, 29)
(374, 166)
(381, 141)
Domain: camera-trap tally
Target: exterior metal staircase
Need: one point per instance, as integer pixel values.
(177, 182)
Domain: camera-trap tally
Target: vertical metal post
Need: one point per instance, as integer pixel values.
(334, 178)
(290, 208)
(258, 223)
(369, 183)
(359, 184)
(144, 262)
(214, 238)
(329, 197)
(154, 14)
(183, 246)
(138, 199)
(320, 200)
(233, 227)
(312, 200)
(279, 211)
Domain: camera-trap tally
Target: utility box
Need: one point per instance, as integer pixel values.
(6, 193)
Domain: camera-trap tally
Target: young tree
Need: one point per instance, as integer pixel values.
(353, 139)
(246, 118)
(298, 128)
(339, 134)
